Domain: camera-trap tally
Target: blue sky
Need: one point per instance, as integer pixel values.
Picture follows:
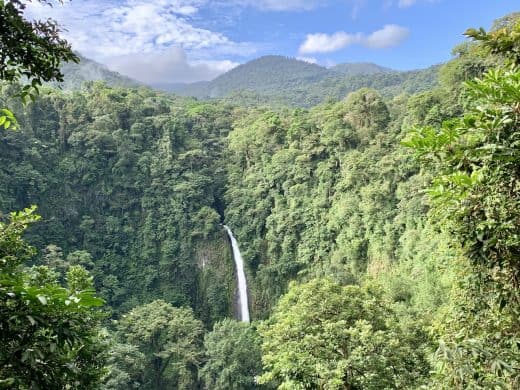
(159, 41)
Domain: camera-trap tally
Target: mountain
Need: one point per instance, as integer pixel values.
(264, 75)
(272, 80)
(89, 70)
(302, 84)
(357, 68)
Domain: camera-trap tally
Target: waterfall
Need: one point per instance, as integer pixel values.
(241, 276)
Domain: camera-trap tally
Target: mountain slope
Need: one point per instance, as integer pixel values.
(357, 68)
(264, 75)
(267, 72)
(298, 83)
(89, 70)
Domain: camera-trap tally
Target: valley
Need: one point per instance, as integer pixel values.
(376, 212)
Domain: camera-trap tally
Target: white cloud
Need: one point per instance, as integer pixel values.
(169, 66)
(135, 26)
(328, 63)
(111, 30)
(310, 60)
(390, 35)
(324, 43)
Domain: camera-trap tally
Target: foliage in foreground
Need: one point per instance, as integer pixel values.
(476, 194)
(138, 178)
(48, 333)
(326, 336)
(30, 49)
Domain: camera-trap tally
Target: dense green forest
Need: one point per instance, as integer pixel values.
(380, 231)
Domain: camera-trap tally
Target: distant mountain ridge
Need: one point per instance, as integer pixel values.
(88, 70)
(261, 75)
(272, 80)
(303, 84)
(357, 68)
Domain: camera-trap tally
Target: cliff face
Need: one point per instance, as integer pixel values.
(216, 292)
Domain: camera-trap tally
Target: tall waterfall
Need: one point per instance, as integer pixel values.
(241, 276)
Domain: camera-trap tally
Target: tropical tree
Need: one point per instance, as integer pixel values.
(233, 357)
(125, 367)
(29, 50)
(326, 336)
(48, 333)
(475, 194)
(171, 340)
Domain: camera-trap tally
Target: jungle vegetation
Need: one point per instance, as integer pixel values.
(380, 232)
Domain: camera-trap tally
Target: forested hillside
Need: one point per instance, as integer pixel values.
(357, 68)
(87, 70)
(133, 178)
(379, 229)
(276, 80)
(272, 81)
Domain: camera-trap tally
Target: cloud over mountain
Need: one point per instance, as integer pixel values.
(169, 66)
(390, 35)
(131, 36)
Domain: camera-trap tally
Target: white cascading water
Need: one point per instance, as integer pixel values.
(241, 276)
